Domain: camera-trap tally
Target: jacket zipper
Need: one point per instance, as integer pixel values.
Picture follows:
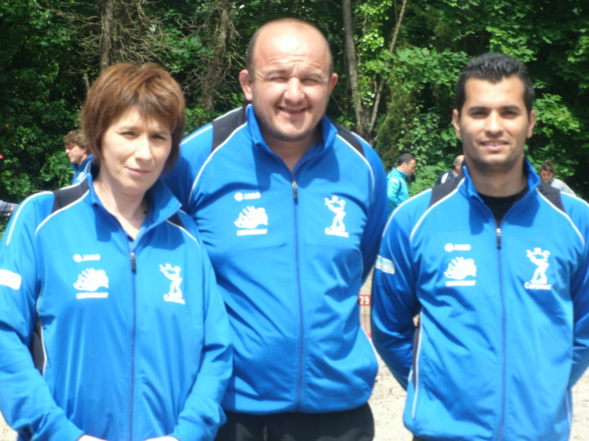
(133, 337)
(299, 391)
(501, 430)
(415, 373)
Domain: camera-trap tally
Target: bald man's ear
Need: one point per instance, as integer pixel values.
(333, 81)
(246, 84)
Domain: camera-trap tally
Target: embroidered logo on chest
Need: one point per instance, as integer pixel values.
(337, 227)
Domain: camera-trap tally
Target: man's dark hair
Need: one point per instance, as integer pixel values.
(494, 68)
(405, 157)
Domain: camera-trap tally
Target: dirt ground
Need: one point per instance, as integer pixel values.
(388, 397)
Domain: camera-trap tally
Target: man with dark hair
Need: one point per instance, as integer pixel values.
(291, 209)
(397, 189)
(495, 266)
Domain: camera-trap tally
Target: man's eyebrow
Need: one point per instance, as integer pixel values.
(512, 107)
(286, 71)
(278, 71)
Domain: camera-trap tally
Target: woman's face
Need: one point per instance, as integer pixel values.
(134, 153)
(546, 175)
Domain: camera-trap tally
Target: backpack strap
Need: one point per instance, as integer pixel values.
(552, 194)
(175, 220)
(350, 138)
(224, 126)
(62, 198)
(65, 196)
(440, 191)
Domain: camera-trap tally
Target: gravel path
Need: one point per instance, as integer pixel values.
(388, 397)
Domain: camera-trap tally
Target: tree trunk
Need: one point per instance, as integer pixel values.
(352, 64)
(107, 22)
(381, 83)
(214, 72)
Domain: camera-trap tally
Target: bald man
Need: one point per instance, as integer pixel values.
(290, 208)
(451, 174)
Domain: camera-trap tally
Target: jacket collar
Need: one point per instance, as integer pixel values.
(162, 203)
(532, 177)
(328, 132)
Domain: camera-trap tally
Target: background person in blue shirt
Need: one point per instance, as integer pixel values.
(397, 188)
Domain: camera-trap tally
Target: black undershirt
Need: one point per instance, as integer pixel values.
(500, 206)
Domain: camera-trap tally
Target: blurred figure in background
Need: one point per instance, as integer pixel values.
(397, 188)
(451, 174)
(547, 174)
(77, 151)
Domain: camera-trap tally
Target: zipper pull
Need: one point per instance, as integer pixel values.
(498, 238)
(295, 190)
(133, 261)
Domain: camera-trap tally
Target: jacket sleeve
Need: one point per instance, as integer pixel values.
(394, 302)
(580, 296)
(202, 414)
(377, 214)
(25, 399)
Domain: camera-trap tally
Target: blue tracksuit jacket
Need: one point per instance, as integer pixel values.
(503, 312)
(135, 334)
(290, 251)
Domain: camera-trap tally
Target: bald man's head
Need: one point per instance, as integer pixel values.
(282, 26)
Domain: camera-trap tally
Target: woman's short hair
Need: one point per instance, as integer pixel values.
(121, 87)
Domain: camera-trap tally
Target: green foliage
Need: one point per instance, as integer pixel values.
(439, 36)
(50, 51)
(39, 99)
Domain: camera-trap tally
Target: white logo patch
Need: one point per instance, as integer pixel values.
(459, 269)
(239, 196)
(175, 293)
(337, 228)
(10, 279)
(250, 219)
(89, 281)
(539, 278)
(457, 247)
(86, 257)
(385, 265)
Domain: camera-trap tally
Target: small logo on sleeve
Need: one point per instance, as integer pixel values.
(385, 265)
(10, 279)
